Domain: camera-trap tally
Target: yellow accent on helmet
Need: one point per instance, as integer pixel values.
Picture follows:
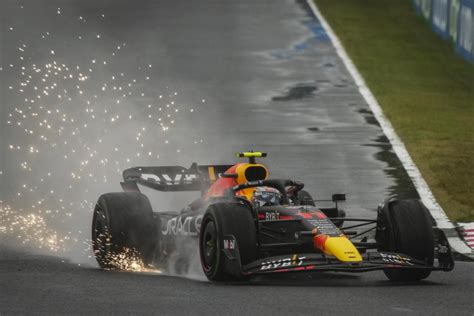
(250, 172)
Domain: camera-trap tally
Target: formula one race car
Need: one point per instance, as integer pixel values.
(245, 224)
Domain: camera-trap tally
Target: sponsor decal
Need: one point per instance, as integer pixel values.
(395, 258)
(229, 244)
(324, 226)
(442, 249)
(294, 261)
(180, 178)
(272, 216)
(183, 225)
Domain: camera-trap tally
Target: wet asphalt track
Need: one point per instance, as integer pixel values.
(272, 82)
(45, 285)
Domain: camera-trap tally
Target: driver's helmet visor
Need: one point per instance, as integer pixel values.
(266, 197)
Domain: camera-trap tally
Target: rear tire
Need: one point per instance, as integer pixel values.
(226, 219)
(407, 230)
(124, 231)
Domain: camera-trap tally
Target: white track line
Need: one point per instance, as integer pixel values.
(421, 186)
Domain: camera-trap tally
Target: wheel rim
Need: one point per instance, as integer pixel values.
(209, 246)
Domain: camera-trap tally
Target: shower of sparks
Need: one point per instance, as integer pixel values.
(31, 229)
(75, 130)
(129, 260)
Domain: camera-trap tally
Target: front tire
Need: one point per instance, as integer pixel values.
(220, 220)
(407, 229)
(124, 231)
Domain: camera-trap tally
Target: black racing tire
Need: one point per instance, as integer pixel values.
(226, 219)
(407, 229)
(123, 224)
(304, 198)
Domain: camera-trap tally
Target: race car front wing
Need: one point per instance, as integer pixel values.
(320, 262)
(371, 261)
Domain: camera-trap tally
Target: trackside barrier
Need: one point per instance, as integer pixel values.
(440, 17)
(451, 19)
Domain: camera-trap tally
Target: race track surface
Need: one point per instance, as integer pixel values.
(45, 285)
(258, 75)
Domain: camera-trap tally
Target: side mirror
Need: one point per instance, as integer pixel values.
(338, 197)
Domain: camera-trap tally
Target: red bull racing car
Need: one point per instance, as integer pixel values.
(246, 224)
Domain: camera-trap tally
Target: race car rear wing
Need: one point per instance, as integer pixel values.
(172, 178)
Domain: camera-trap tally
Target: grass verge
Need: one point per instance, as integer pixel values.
(424, 88)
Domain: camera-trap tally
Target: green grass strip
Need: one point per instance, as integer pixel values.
(425, 89)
